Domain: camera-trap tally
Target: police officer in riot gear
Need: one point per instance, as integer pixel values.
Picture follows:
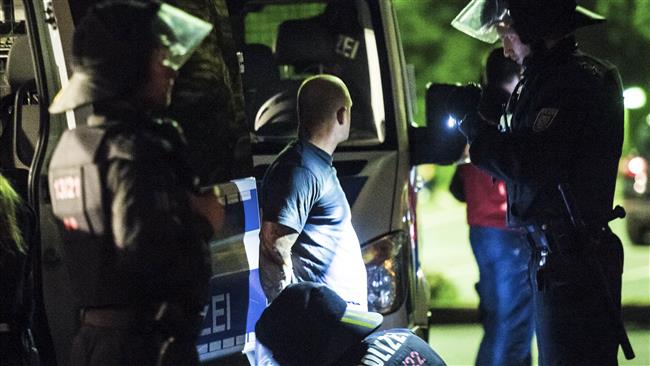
(135, 243)
(564, 128)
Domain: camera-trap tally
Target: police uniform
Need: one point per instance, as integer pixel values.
(565, 126)
(142, 253)
(135, 249)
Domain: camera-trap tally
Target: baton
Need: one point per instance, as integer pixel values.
(582, 229)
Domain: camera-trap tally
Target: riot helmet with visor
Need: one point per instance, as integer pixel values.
(531, 19)
(113, 44)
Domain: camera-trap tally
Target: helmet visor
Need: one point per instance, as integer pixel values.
(480, 17)
(180, 32)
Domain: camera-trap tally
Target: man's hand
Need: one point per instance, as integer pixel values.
(493, 100)
(472, 126)
(208, 206)
(463, 100)
(276, 267)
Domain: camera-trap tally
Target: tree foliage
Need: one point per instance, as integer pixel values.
(440, 53)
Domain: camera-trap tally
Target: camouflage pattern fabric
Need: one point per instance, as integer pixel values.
(208, 100)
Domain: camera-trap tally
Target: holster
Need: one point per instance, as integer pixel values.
(178, 329)
(562, 238)
(177, 321)
(17, 345)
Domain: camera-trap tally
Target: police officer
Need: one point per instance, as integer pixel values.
(564, 127)
(135, 246)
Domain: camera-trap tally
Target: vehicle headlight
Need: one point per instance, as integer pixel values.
(383, 261)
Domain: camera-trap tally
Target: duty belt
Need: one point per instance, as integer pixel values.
(108, 317)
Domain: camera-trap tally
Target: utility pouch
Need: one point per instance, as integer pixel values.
(176, 328)
(560, 239)
(552, 243)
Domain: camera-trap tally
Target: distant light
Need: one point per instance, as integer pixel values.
(647, 120)
(634, 97)
(637, 166)
(640, 184)
(451, 122)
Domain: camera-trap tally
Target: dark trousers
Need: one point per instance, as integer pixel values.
(575, 322)
(17, 349)
(107, 346)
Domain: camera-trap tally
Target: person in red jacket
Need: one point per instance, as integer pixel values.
(501, 254)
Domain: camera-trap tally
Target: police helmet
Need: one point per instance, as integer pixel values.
(532, 19)
(113, 43)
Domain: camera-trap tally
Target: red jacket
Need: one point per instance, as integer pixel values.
(484, 195)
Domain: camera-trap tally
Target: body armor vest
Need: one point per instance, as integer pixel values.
(78, 194)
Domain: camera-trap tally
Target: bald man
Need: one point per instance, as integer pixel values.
(307, 234)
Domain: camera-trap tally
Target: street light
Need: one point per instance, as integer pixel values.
(634, 97)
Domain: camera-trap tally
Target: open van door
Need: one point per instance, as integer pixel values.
(29, 79)
(282, 42)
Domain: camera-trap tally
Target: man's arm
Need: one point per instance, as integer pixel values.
(288, 195)
(540, 152)
(275, 257)
(208, 206)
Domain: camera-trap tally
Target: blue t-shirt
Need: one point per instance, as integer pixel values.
(300, 190)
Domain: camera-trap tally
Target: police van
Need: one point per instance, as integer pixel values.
(276, 45)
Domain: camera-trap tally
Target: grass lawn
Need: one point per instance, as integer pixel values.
(458, 344)
(446, 253)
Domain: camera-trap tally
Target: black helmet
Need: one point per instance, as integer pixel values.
(113, 43)
(539, 19)
(532, 19)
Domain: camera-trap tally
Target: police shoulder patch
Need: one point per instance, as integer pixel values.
(544, 119)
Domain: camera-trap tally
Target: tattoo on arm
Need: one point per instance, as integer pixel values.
(276, 267)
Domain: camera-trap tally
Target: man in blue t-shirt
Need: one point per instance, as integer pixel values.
(306, 233)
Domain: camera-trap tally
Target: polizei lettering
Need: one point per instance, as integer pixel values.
(382, 349)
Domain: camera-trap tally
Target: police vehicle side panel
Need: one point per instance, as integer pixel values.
(405, 195)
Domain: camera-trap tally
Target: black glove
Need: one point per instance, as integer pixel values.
(463, 100)
(492, 103)
(472, 126)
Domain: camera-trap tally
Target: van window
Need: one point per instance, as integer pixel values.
(286, 43)
(12, 24)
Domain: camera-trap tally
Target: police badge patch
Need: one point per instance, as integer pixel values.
(544, 119)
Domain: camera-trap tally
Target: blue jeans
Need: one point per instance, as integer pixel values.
(504, 289)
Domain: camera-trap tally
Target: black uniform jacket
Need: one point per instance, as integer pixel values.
(155, 247)
(566, 126)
